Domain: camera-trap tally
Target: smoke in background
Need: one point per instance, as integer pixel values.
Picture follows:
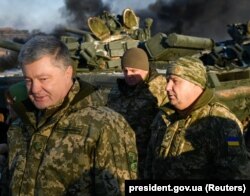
(77, 12)
(207, 18)
(197, 17)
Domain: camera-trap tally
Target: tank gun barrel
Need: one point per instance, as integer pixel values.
(162, 47)
(76, 31)
(177, 40)
(10, 45)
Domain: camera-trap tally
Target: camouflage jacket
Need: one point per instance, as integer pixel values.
(206, 143)
(139, 105)
(79, 148)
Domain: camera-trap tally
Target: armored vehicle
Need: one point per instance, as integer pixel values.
(96, 55)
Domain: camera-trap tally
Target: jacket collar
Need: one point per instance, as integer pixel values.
(205, 98)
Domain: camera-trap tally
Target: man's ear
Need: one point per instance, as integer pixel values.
(70, 71)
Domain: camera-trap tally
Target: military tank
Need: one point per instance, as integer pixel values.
(96, 55)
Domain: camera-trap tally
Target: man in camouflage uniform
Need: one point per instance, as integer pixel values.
(65, 142)
(194, 137)
(138, 96)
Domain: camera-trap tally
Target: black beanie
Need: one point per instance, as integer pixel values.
(135, 58)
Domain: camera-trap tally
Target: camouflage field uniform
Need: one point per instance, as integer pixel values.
(139, 106)
(205, 144)
(78, 149)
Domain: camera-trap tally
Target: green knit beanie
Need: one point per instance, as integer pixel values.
(18, 91)
(189, 68)
(135, 58)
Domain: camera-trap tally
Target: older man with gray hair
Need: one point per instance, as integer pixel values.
(64, 141)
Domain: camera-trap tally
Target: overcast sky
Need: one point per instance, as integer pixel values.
(119, 5)
(45, 14)
(30, 14)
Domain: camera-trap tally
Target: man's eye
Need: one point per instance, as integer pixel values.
(43, 79)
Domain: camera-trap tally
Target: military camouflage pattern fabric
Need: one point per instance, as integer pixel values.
(206, 143)
(139, 105)
(79, 148)
(189, 68)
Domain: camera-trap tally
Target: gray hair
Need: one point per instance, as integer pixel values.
(43, 45)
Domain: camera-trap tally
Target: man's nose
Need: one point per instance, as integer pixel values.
(169, 85)
(35, 87)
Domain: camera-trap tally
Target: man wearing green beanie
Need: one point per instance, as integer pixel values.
(137, 97)
(13, 95)
(193, 136)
